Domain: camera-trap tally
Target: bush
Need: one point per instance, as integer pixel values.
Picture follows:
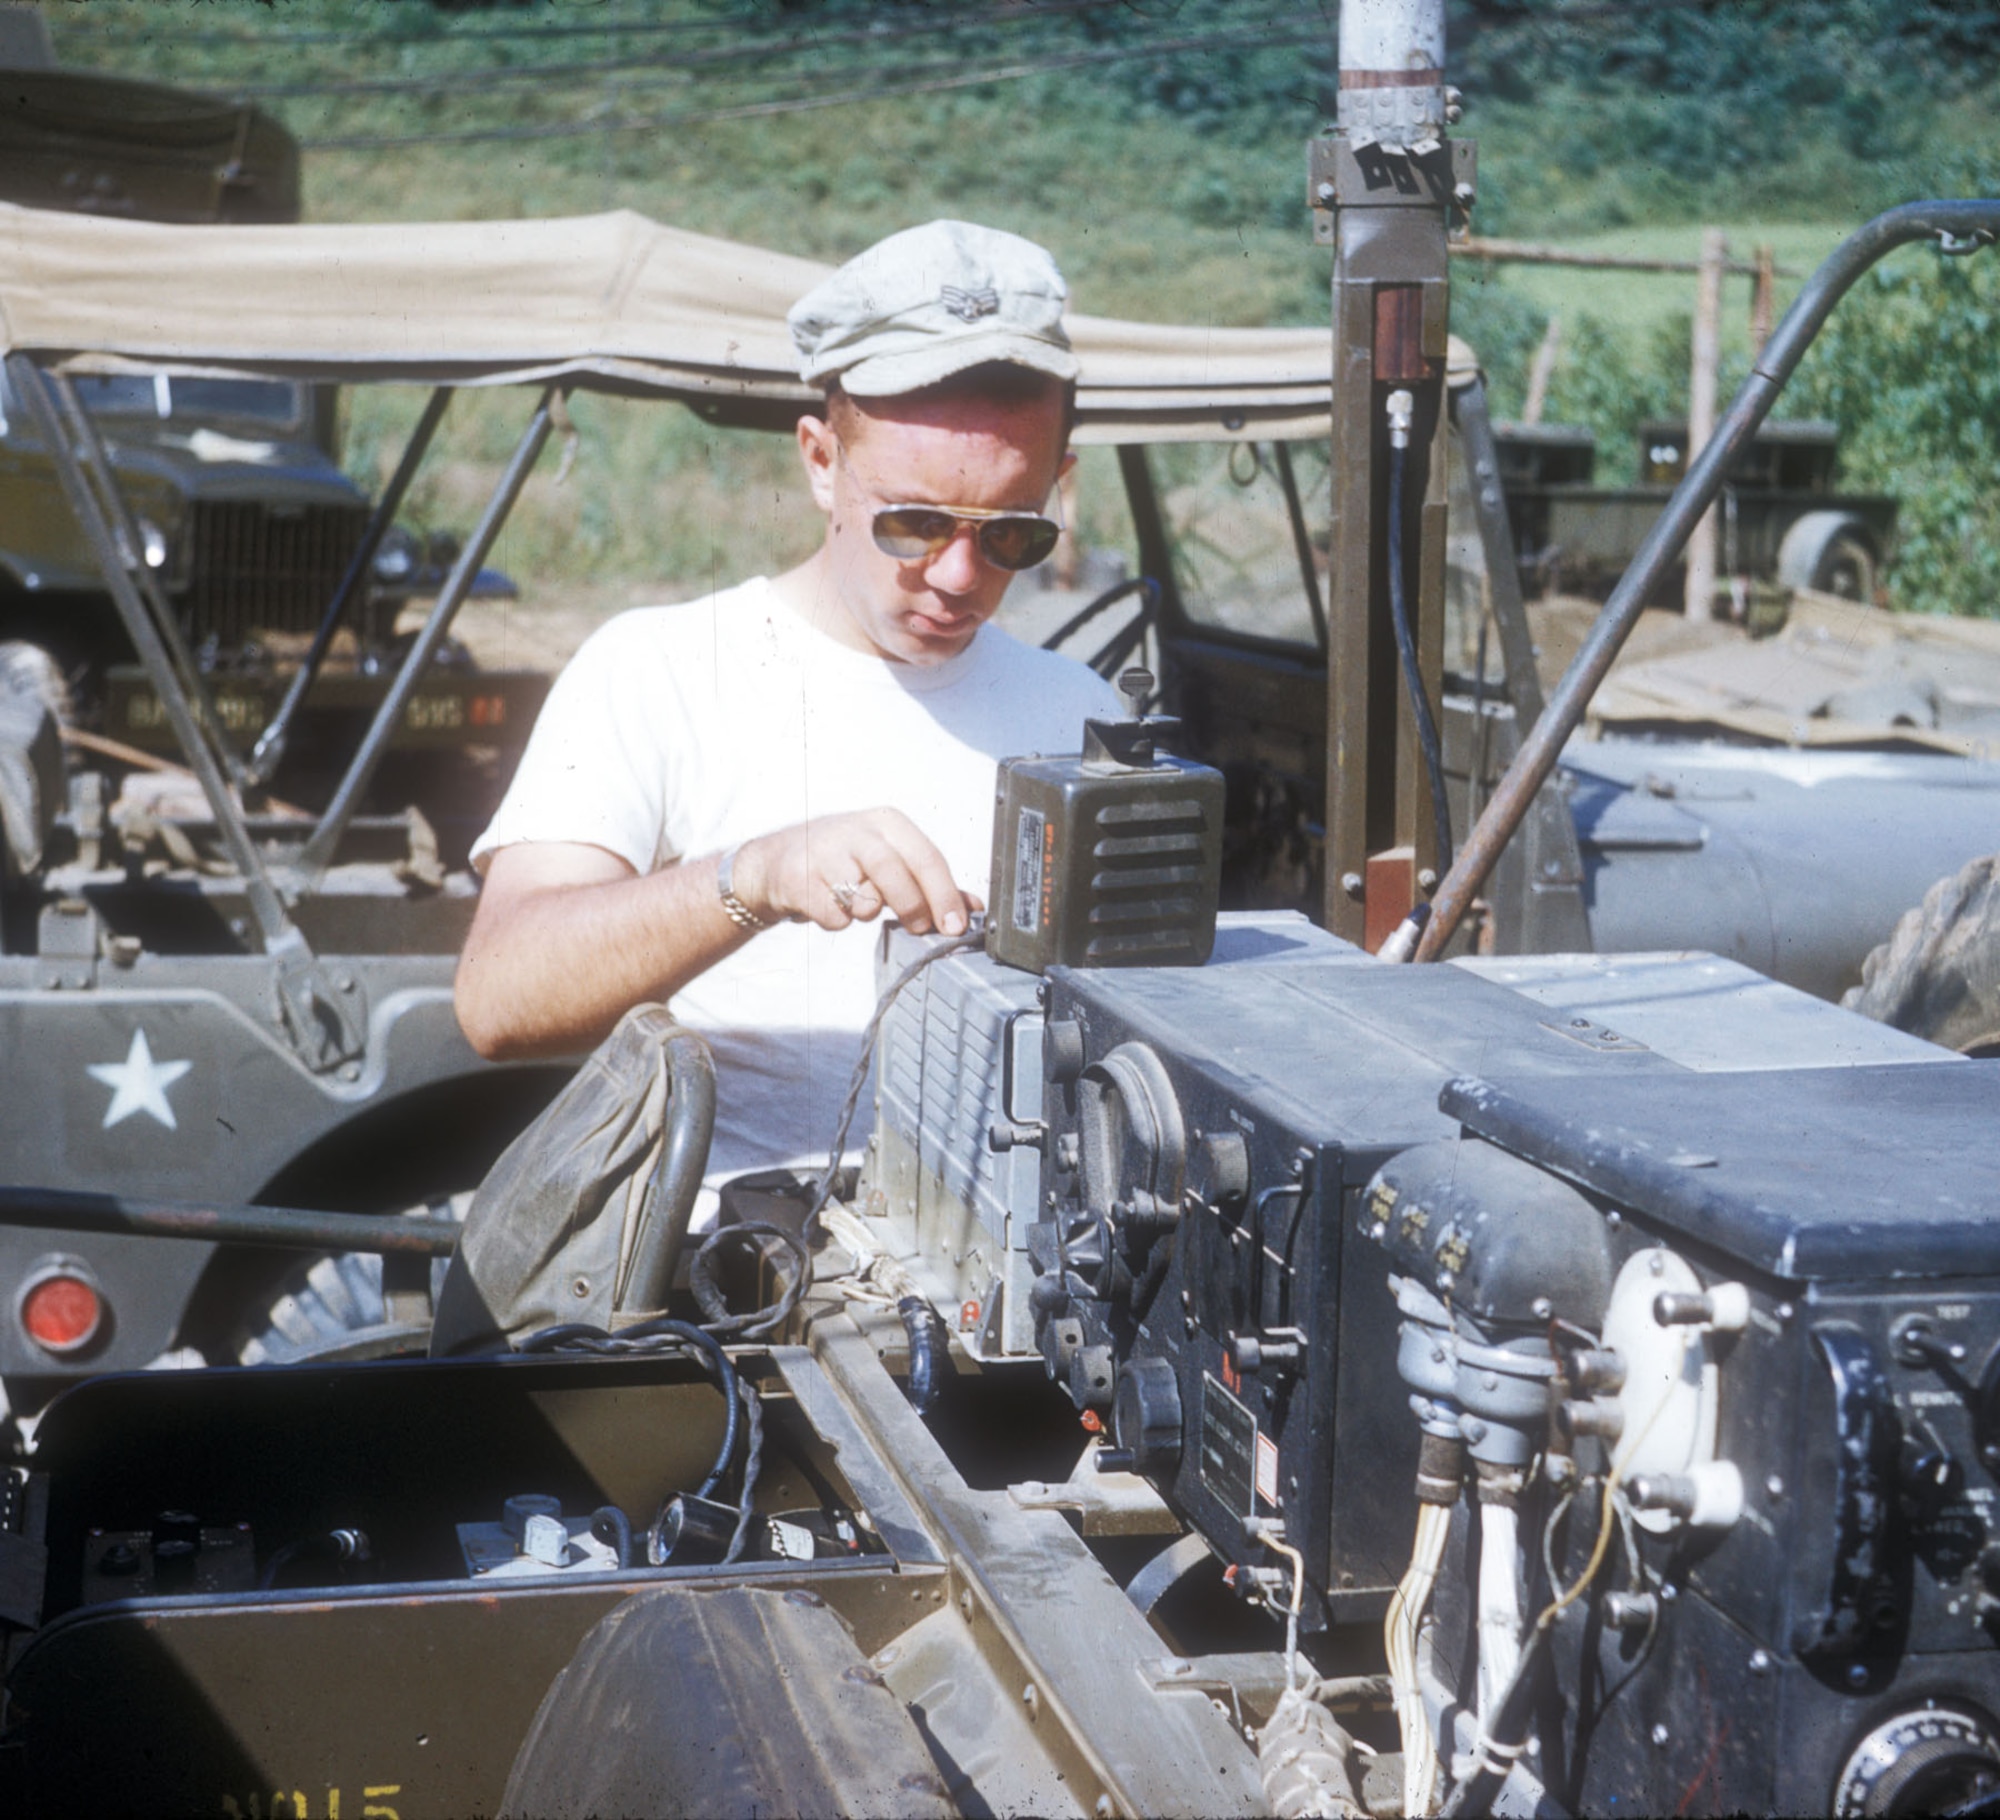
(1907, 368)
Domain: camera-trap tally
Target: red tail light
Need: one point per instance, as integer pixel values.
(61, 1309)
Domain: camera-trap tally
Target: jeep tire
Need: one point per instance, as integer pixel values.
(1938, 974)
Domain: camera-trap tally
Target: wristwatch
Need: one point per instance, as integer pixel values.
(736, 909)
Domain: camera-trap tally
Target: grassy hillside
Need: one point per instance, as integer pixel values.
(1169, 184)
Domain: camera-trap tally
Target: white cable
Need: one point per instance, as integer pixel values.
(1292, 1676)
(1499, 1605)
(1406, 1610)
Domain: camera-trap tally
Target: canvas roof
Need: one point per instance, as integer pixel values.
(612, 301)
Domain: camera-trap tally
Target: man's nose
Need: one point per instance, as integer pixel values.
(958, 568)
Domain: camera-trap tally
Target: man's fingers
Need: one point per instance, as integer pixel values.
(851, 868)
(896, 885)
(937, 900)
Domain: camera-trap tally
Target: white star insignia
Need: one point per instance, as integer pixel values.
(139, 1084)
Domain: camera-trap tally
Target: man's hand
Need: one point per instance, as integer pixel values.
(567, 938)
(843, 869)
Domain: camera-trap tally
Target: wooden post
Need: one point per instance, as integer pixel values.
(1763, 301)
(1542, 371)
(1699, 600)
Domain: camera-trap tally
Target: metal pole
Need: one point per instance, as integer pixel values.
(319, 850)
(1382, 186)
(295, 1228)
(96, 463)
(273, 925)
(1496, 542)
(1301, 540)
(1957, 227)
(269, 751)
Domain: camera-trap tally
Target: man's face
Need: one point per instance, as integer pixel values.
(948, 450)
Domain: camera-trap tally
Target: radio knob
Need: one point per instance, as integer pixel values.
(1146, 1414)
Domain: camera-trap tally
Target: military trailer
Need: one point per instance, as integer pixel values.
(1796, 863)
(1781, 518)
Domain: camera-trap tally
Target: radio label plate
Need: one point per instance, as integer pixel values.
(1228, 1447)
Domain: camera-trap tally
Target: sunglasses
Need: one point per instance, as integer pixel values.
(1008, 540)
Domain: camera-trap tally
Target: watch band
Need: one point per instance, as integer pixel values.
(733, 906)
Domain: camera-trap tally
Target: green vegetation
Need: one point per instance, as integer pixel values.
(1167, 180)
(1910, 371)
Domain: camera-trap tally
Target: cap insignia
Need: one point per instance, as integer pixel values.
(969, 306)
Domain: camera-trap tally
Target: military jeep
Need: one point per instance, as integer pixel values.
(239, 513)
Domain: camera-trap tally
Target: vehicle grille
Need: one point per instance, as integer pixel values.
(252, 565)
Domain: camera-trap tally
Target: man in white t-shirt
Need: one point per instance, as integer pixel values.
(720, 796)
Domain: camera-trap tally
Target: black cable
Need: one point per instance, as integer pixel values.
(930, 1352)
(279, 1560)
(1137, 584)
(1504, 1738)
(611, 1525)
(564, 1336)
(753, 1463)
(1406, 649)
(661, 1334)
(707, 1289)
(1507, 1733)
(725, 1371)
(972, 938)
(342, 1545)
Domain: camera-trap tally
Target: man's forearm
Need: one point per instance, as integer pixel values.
(566, 939)
(550, 971)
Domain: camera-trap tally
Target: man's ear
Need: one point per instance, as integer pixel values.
(819, 450)
(1064, 466)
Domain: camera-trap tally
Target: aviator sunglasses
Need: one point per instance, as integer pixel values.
(1008, 540)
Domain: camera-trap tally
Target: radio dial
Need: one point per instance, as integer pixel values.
(1928, 1762)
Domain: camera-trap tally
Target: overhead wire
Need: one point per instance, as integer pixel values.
(805, 103)
(501, 32)
(793, 43)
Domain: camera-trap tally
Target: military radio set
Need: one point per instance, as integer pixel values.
(1509, 1261)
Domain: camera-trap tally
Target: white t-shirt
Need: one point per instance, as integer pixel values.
(677, 731)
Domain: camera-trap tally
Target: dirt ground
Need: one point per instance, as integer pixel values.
(540, 634)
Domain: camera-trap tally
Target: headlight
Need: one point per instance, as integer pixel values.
(396, 559)
(152, 544)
